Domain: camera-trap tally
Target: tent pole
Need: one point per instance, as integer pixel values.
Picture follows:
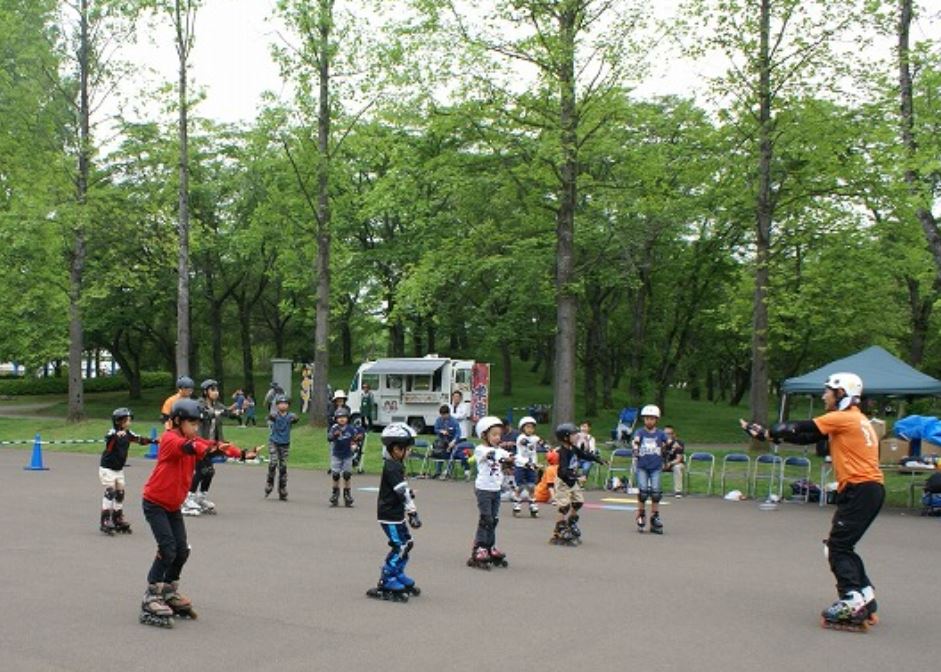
(783, 406)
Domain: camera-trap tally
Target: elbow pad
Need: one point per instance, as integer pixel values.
(800, 432)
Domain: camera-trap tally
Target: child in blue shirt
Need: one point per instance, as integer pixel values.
(342, 436)
(648, 443)
(279, 443)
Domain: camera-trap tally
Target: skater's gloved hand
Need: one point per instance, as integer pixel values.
(754, 430)
(413, 520)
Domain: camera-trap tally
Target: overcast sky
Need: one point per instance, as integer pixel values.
(232, 59)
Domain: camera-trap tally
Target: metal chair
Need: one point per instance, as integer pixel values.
(706, 467)
(735, 465)
(621, 462)
(767, 467)
(795, 468)
(419, 453)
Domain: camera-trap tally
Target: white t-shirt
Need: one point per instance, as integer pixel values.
(489, 469)
(526, 450)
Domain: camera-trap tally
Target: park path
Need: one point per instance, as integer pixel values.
(25, 411)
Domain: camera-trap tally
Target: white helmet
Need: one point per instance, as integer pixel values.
(339, 394)
(650, 411)
(527, 420)
(850, 383)
(485, 423)
(396, 433)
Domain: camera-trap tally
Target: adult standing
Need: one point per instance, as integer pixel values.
(367, 406)
(461, 411)
(854, 450)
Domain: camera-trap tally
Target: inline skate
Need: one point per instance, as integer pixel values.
(389, 588)
(191, 506)
(206, 505)
(641, 521)
(656, 525)
(153, 610)
(107, 525)
(179, 603)
(347, 498)
(498, 558)
(121, 526)
(849, 614)
(335, 497)
(480, 558)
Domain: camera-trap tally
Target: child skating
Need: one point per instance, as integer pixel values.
(854, 450)
(111, 470)
(279, 444)
(180, 449)
(210, 427)
(342, 436)
(493, 463)
(395, 505)
(569, 497)
(648, 443)
(527, 467)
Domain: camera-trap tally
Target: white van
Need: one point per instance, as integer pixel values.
(412, 389)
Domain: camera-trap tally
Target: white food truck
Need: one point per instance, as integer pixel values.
(412, 389)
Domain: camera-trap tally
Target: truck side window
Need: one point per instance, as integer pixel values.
(393, 382)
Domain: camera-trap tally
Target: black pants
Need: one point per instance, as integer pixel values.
(172, 549)
(856, 507)
(202, 476)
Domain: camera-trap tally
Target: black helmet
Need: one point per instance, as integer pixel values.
(282, 399)
(185, 383)
(341, 412)
(120, 413)
(565, 430)
(186, 409)
(208, 383)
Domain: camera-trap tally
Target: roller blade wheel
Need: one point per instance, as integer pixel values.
(124, 530)
(185, 613)
(656, 530)
(471, 562)
(844, 626)
(387, 595)
(559, 541)
(146, 618)
(516, 513)
(533, 514)
(502, 562)
(413, 591)
(107, 530)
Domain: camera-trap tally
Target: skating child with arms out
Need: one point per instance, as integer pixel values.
(854, 449)
(493, 463)
(163, 496)
(569, 497)
(210, 428)
(111, 470)
(279, 444)
(341, 437)
(395, 505)
(648, 444)
(527, 466)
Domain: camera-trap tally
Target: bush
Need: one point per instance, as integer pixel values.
(15, 387)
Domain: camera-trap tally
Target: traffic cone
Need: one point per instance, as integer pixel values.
(35, 464)
(152, 453)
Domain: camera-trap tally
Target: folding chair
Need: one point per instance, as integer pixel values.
(735, 465)
(436, 459)
(795, 468)
(700, 464)
(419, 453)
(621, 462)
(627, 418)
(463, 444)
(767, 468)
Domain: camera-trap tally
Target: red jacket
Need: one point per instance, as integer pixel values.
(176, 460)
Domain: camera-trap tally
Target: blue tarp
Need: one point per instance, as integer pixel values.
(914, 427)
(882, 373)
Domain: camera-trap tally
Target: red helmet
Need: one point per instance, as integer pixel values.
(552, 457)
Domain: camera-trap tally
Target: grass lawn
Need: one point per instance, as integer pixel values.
(703, 425)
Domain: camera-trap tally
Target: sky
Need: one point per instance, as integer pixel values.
(232, 60)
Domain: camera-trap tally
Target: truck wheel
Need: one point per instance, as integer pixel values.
(417, 424)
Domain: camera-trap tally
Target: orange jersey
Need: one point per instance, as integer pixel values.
(165, 410)
(541, 492)
(854, 447)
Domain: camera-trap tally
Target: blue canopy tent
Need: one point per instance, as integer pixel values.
(883, 375)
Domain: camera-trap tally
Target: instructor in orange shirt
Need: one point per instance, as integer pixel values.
(854, 449)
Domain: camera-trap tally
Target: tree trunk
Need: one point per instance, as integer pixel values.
(215, 330)
(183, 26)
(549, 349)
(912, 176)
(77, 254)
(506, 360)
(418, 345)
(321, 372)
(758, 396)
(430, 335)
(921, 309)
(245, 337)
(563, 382)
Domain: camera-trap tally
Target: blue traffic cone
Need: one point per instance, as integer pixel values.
(152, 453)
(35, 464)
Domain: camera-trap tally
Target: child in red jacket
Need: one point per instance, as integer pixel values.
(180, 449)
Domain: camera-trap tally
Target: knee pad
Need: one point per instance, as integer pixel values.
(576, 506)
(167, 553)
(642, 496)
(486, 522)
(118, 496)
(409, 545)
(109, 494)
(336, 476)
(564, 509)
(657, 496)
(347, 475)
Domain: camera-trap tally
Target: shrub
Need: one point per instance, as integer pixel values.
(29, 386)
